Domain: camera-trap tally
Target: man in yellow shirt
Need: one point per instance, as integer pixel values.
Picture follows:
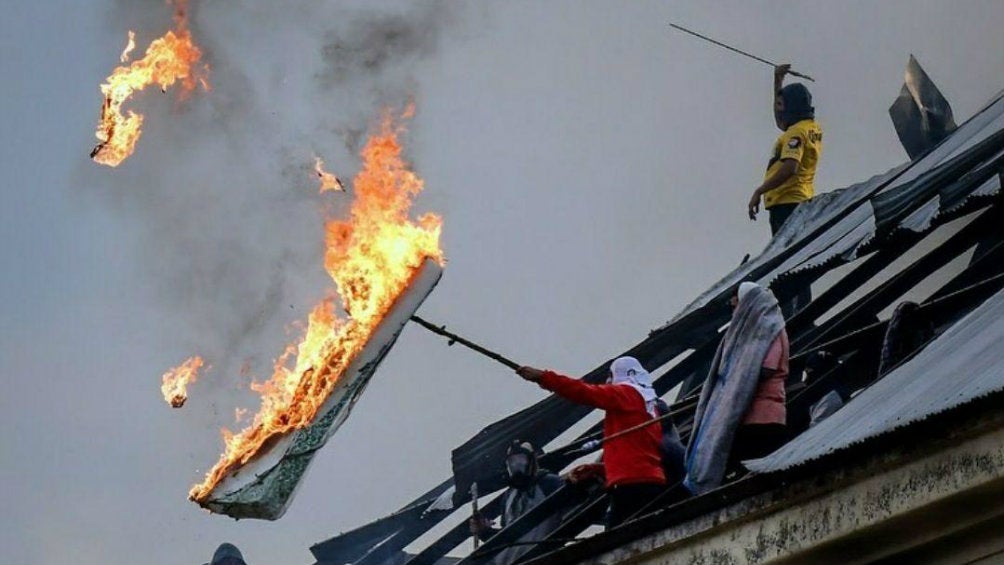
(791, 171)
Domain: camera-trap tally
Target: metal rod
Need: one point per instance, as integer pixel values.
(498, 548)
(475, 513)
(454, 338)
(736, 50)
(587, 445)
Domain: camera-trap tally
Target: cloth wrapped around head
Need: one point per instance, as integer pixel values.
(627, 370)
(745, 288)
(731, 384)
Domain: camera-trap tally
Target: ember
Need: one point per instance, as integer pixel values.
(328, 180)
(374, 257)
(169, 59)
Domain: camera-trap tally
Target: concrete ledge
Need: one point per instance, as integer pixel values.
(889, 504)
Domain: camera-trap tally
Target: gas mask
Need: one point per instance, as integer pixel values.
(520, 465)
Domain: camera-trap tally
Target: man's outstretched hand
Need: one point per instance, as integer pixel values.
(529, 373)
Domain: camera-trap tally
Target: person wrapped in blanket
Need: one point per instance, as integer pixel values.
(741, 412)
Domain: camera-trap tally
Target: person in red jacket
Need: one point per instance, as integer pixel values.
(632, 462)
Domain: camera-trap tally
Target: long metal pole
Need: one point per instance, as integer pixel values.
(737, 50)
(475, 512)
(454, 338)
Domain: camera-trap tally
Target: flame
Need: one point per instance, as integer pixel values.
(169, 59)
(372, 257)
(130, 45)
(176, 381)
(328, 180)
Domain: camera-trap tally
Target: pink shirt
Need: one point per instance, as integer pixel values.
(768, 402)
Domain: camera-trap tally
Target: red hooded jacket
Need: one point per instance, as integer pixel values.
(631, 458)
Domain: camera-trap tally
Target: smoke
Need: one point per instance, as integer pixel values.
(220, 201)
(377, 43)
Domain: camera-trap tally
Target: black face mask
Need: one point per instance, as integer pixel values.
(797, 104)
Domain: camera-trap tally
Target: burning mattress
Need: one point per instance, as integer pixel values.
(383, 265)
(264, 486)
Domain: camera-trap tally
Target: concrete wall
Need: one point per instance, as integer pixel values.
(944, 506)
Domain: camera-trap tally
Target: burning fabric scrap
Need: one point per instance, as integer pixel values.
(169, 59)
(384, 265)
(176, 381)
(329, 181)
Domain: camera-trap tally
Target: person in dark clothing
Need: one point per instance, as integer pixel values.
(529, 485)
(672, 448)
(227, 554)
(632, 462)
(907, 332)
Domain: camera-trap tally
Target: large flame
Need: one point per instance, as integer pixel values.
(169, 59)
(176, 381)
(372, 257)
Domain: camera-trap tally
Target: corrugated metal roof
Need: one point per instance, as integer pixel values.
(851, 215)
(834, 226)
(963, 364)
(923, 218)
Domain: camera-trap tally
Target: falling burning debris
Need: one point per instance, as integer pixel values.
(130, 45)
(328, 180)
(377, 259)
(176, 381)
(169, 59)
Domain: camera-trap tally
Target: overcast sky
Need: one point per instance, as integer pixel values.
(592, 167)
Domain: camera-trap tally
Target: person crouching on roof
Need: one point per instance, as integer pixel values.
(529, 485)
(632, 462)
(741, 412)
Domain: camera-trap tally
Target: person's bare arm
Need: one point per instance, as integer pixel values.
(779, 72)
(787, 170)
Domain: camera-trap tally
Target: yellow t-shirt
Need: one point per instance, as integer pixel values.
(802, 142)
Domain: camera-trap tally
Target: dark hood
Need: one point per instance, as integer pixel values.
(227, 553)
(797, 104)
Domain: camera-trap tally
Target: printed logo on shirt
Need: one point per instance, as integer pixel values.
(794, 142)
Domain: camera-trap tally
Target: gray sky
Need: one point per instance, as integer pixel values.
(592, 168)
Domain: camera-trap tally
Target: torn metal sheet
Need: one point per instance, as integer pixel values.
(921, 114)
(264, 487)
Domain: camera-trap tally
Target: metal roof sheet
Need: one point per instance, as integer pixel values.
(851, 215)
(963, 364)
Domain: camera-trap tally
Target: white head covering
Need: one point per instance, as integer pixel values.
(745, 288)
(627, 370)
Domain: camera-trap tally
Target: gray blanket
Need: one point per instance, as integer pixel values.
(730, 386)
